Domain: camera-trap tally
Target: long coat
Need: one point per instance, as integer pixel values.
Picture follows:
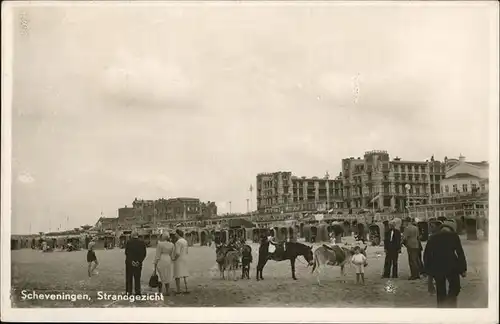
(444, 255)
(411, 237)
(180, 264)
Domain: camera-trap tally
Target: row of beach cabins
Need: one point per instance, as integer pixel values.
(370, 229)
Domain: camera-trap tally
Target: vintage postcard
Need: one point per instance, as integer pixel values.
(245, 161)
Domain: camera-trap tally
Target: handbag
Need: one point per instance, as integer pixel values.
(154, 282)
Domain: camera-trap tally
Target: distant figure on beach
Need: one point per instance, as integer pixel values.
(92, 259)
(135, 253)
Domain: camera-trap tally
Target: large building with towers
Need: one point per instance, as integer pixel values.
(373, 182)
(377, 182)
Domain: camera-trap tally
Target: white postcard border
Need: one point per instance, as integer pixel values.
(241, 315)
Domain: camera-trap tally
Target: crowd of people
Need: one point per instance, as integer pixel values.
(170, 262)
(443, 261)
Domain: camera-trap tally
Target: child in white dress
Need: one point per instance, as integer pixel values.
(359, 262)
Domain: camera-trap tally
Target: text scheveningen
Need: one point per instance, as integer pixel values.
(33, 295)
(73, 297)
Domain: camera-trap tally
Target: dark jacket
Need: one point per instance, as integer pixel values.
(395, 244)
(263, 249)
(444, 254)
(135, 250)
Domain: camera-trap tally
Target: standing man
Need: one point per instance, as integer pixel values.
(392, 248)
(263, 255)
(135, 253)
(180, 261)
(412, 246)
(444, 260)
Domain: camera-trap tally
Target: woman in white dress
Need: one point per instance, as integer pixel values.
(165, 252)
(180, 261)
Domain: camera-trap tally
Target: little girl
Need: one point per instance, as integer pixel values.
(359, 262)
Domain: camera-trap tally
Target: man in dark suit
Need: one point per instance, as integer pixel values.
(392, 248)
(135, 253)
(444, 260)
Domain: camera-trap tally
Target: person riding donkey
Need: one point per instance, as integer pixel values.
(232, 244)
(280, 248)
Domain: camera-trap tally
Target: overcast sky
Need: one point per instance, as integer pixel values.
(112, 103)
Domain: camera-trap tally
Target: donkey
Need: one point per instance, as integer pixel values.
(290, 252)
(333, 256)
(227, 259)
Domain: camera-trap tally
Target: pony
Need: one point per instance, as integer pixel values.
(227, 259)
(291, 251)
(333, 256)
(231, 262)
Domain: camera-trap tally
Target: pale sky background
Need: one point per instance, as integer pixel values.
(112, 103)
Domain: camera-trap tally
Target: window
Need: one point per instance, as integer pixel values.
(483, 187)
(464, 187)
(474, 187)
(455, 188)
(446, 188)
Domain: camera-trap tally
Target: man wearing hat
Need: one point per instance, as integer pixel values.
(135, 253)
(444, 260)
(412, 246)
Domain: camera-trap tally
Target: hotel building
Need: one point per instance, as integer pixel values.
(464, 192)
(373, 182)
(151, 211)
(284, 192)
(376, 182)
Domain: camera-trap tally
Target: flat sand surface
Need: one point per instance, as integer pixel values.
(57, 272)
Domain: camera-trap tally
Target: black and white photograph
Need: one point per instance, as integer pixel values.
(240, 161)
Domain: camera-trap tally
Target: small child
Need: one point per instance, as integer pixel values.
(92, 259)
(359, 261)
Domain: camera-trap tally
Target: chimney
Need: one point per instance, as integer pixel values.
(461, 158)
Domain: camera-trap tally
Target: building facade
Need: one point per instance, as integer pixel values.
(284, 192)
(126, 214)
(153, 211)
(464, 194)
(376, 182)
(463, 180)
(106, 224)
(465, 177)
